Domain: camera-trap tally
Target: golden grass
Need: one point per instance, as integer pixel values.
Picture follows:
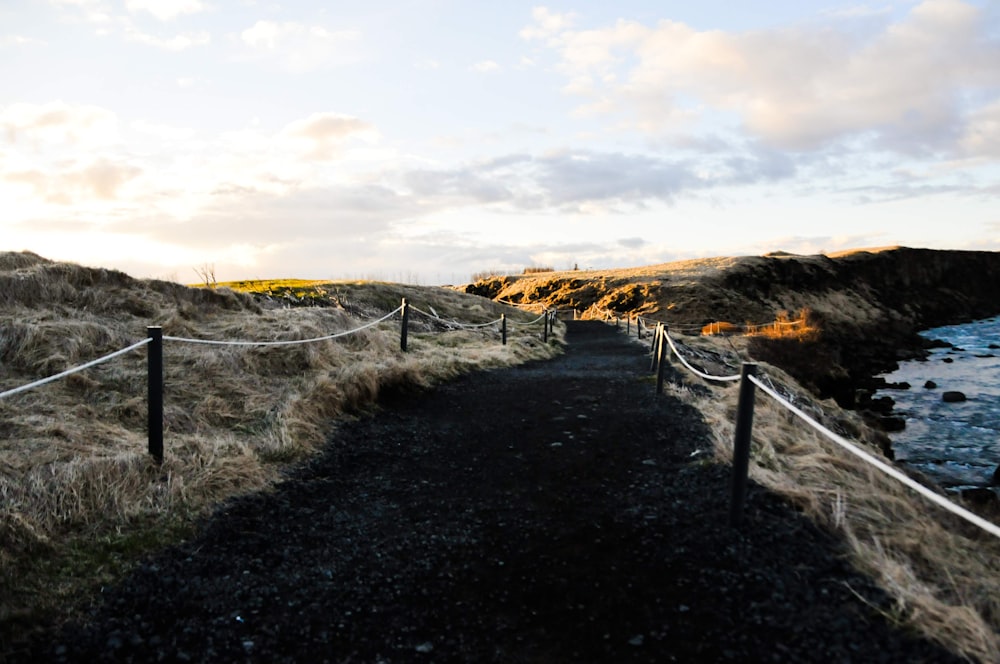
(79, 496)
(943, 574)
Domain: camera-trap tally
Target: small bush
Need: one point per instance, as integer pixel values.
(483, 275)
(536, 269)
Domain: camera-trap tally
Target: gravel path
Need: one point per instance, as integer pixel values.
(556, 512)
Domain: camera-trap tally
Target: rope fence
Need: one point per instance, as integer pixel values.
(749, 380)
(155, 339)
(290, 342)
(70, 372)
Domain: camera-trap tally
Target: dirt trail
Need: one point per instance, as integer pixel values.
(556, 512)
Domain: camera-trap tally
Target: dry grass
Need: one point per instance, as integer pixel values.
(80, 496)
(943, 573)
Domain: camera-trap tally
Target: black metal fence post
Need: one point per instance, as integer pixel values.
(741, 443)
(154, 400)
(503, 329)
(545, 327)
(403, 329)
(628, 326)
(661, 359)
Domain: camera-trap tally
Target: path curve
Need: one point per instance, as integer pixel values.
(554, 512)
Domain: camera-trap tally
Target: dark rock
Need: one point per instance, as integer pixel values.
(902, 385)
(953, 396)
(882, 405)
(947, 360)
(892, 423)
(979, 495)
(993, 347)
(995, 480)
(883, 422)
(930, 385)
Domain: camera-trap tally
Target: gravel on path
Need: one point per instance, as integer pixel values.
(554, 512)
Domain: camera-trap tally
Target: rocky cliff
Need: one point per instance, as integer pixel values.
(869, 304)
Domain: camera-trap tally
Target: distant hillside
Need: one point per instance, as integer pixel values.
(869, 304)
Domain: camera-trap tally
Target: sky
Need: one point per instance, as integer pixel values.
(427, 140)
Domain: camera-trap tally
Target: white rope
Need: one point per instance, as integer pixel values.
(991, 528)
(518, 304)
(295, 342)
(468, 326)
(515, 323)
(720, 379)
(92, 363)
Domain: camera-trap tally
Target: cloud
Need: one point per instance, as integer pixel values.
(165, 10)
(100, 179)
(981, 136)
(632, 242)
(547, 24)
(325, 132)
(300, 47)
(586, 181)
(19, 40)
(485, 67)
(176, 43)
(302, 216)
(58, 123)
(905, 85)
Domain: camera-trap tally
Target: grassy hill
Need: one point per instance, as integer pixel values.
(81, 498)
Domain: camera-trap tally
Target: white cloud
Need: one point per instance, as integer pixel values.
(547, 24)
(19, 40)
(324, 133)
(100, 179)
(58, 123)
(485, 67)
(796, 88)
(300, 47)
(176, 43)
(165, 10)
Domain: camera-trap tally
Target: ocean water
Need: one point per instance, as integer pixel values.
(956, 444)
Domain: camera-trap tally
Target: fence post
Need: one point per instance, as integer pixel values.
(154, 396)
(403, 329)
(545, 327)
(653, 349)
(638, 327)
(628, 326)
(503, 329)
(661, 359)
(741, 444)
(618, 322)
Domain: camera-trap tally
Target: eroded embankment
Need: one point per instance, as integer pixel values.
(869, 305)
